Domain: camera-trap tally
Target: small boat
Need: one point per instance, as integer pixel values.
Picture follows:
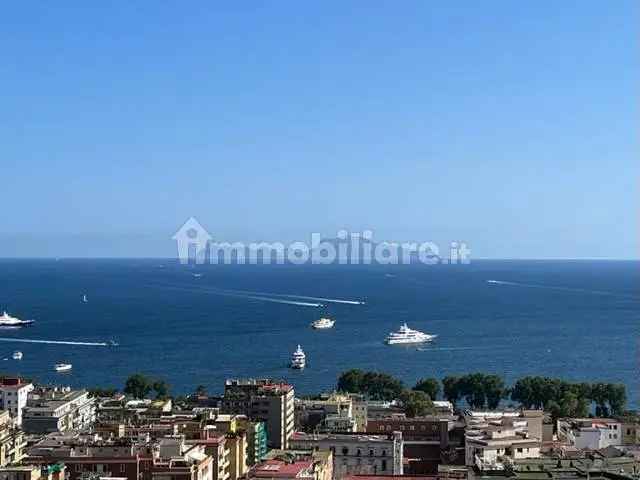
(197, 275)
(7, 320)
(112, 343)
(84, 299)
(298, 359)
(406, 335)
(17, 355)
(323, 323)
(62, 367)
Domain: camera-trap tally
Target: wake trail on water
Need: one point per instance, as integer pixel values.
(54, 342)
(562, 289)
(231, 293)
(304, 297)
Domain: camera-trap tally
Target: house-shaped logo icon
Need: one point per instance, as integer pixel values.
(192, 240)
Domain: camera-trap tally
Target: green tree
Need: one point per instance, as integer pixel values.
(416, 403)
(494, 390)
(161, 388)
(473, 390)
(201, 391)
(600, 395)
(617, 398)
(451, 389)
(138, 386)
(351, 381)
(522, 392)
(430, 386)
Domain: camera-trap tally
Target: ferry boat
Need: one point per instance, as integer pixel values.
(7, 320)
(323, 323)
(62, 367)
(406, 335)
(17, 355)
(298, 359)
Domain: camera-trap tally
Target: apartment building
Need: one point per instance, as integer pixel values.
(58, 410)
(428, 441)
(14, 392)
(493, 441)
(356, 453)
(263, 400)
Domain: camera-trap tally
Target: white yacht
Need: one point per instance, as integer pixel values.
(62, 367)
(298, 359)
(17, 355)
(7, 320)
(407, 335)
(323, 323)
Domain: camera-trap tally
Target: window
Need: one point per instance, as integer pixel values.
(371, 452)
(381, 427)
(519, 450)
(122, 468)
(345, 451)
(358, 452)
(384, 465)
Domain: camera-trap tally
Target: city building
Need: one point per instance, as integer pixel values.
(179, 461)
(55, 471)
(215, 445)
(58, 410)
(298, 464)
(14, 392)
(591, 433)
(428, 441)
(11, 440)
(264, 400)
(88, 453)
(256, 439)
(496, 439)
(356, 453)
(332, 413)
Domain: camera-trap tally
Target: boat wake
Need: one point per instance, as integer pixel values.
(303, 297)
(54, 342)
(562, 289)
(240, 294)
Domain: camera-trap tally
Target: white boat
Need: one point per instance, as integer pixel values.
(298, 359)
(7, 320)
(84, 299)
(62, 367)
(323, 323)
(17, 355)
(407, 335)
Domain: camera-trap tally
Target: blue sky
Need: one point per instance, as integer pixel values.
(511, 125)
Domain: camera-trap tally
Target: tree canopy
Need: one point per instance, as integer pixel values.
(375, 385)
(416, 403)
(481, 390)
(140, 386)
(430, 386)
(564, 398)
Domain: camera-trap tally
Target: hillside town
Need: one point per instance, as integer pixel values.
(260, 429)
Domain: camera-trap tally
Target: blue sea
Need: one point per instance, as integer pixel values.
(572, 319)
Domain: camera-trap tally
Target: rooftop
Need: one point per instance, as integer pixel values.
(280, 469)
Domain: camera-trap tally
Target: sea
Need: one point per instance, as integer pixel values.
(196, 325)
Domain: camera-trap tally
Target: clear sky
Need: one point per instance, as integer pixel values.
(512, 125)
